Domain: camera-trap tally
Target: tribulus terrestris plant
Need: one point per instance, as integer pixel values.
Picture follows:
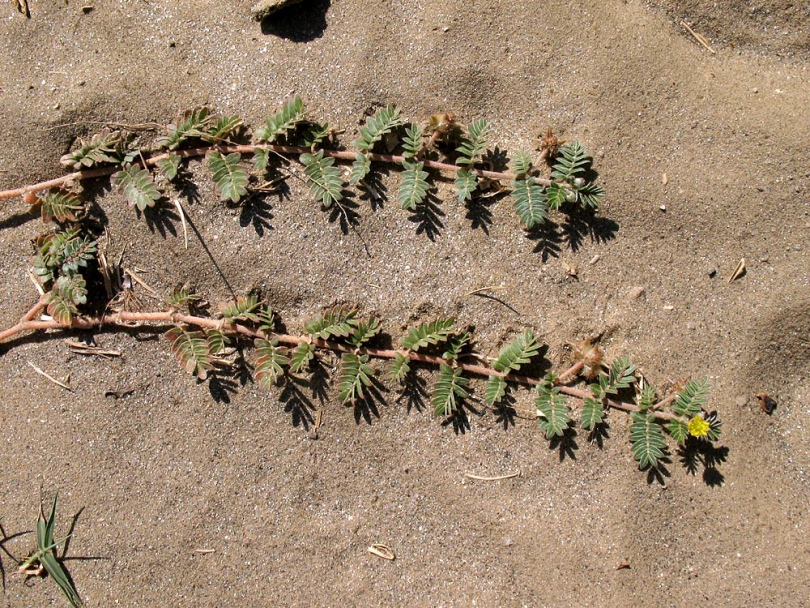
(207, 344)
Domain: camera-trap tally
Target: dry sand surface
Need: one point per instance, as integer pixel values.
(180, 465)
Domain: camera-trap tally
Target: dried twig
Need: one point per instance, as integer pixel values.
(496, 478)
(51, 378)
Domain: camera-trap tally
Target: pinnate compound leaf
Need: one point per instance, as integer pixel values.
(432, 332)
(571, 161)
(494, 390)
(314, 135)
(270, 364)
(620, 375)
(291, 113)
(60, 305)
(301, 356)
(102, 148)
(169, 166)
(60, 206)
(364, 331)
(449, 388)
(521, 162)
(360, 168)
(191, 349)
(592, 413)
(678, 430)
(137, 187)
(354, 375)
(414, 186)
(647, 397)
(338, 322)
(465, 184)
(518, 352)
(192, 124)
(230, 176)
(243, 309)
(475, 144)
(182, 296)
(399, 368)
(223, 129)
(591, 195)
(692, 398)
(455, 344)
(412, 143)
(76, 253)
(217, 341)
(552, 411)
(531, 203)
(72, 287)
(556, 195)
(647, 438)
(382, 123)
(323, 178)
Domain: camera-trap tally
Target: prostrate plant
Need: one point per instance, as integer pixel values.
(205, 344)
(288, 134)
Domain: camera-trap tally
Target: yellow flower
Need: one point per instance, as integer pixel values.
(698, 427)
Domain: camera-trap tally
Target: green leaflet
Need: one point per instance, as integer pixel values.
(692, 398)
(243, 309)
(102, 148)
(217, 341)
(455, 344)
(169, 166)
(517, 353)
(182, 296)
(60, 206)
(301, 356)
(647, 398)
(260, 158)
(270, 364)
(552, 411)
(571, 162)
(465, 183)
(323, 178)
(382, 123)
(314, 135)
(556, 195)
(354, 376)
(495, 390)
(678, 430)
(592, 413)
(223, 129)
(137, 187)
(475, 144)
(399, 368)
(521, 162)
(338, 322)
(621, 375)
(360, 168)
(364, 331)
(286, 119)
(62, 253)
(193, 124)
(412, 143)
(191, 349)
(230, 176)
(590, 195)
(647, 438)
(432, 332)
(414, 186)
(61, 305)
(449, 387)
(531, 203)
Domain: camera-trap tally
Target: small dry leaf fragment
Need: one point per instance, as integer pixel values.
(669, 307)
(664, 179)
(636, 292)
(382, 551)
(625, 565)
(738, 272)
(766, 403)
(570, 270)
(595, 259)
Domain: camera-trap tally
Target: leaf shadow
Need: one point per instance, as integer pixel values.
(479, 212)
(296, 402)
(414, 392)
(373, 189)
(427, 217)
(345, 212)
(565, 444)
(368, 405)
(695, 453)
(298, 23)
(504, 410)
(659, 472)
(599, 433)
(548, 239)
(224, 382)
(581, 223)
(161, 218)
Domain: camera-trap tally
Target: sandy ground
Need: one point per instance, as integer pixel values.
(179, 465)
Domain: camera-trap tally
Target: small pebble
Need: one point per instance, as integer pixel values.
(636, 292)
(741, 401)
(669, 307)
(663, 207)
(712, 272)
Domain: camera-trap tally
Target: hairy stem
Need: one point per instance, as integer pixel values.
(27, 323)
(250, 149)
